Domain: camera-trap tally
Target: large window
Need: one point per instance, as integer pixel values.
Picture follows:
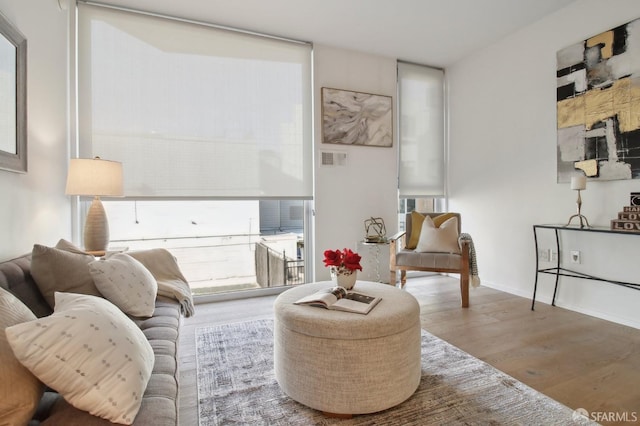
(192, 110)
(221, 246)
(213, 128)
(421, 131)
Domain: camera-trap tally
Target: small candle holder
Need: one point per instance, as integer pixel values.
(579, 183)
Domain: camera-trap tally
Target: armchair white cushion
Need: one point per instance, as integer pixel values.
(439, 240)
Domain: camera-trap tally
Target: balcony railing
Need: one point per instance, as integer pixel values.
(226, 263)
(275, 269)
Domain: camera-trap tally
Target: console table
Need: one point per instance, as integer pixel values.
(558, 270)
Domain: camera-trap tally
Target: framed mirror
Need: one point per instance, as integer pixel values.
(13, 98)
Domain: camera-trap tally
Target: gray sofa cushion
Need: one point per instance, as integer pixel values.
(160, 400)
(15, 276)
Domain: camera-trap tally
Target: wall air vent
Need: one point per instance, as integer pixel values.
(332, 158)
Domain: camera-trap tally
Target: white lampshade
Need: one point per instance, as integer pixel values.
(94, 177)
(578, 182)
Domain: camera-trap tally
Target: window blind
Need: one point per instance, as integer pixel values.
(421, 131)
(194, 111)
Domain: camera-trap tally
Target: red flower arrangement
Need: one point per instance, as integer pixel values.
(344, 262)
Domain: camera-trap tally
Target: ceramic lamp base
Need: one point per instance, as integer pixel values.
(96, 227)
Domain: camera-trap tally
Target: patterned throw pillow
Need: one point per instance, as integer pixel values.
(20, 391)
(90, 352)
(440, 240)
(126, 283)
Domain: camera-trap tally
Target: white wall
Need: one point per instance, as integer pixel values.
(366, 187)
(503, 166)
(34, 207)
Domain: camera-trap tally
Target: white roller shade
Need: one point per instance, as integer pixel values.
(194, 111)
(421, 127)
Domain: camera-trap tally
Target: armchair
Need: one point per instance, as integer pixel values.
(405, 259)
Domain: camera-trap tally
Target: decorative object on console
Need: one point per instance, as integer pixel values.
(579, 183)
(629, 218)
(344, 266)
(95, 177)
(354, 118)
(375, 231)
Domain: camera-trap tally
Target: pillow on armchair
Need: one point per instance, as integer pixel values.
(417, 219)
(440, 240)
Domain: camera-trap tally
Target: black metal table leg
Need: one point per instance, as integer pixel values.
(555, 289)
(535, 284)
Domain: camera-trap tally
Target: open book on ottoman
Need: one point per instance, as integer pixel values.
(339, 299)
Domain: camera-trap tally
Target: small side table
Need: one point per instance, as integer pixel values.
(374, 262)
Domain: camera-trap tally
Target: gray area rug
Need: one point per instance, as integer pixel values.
(237, 386)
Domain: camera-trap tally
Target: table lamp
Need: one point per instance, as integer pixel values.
(95, 177)
(579, 183)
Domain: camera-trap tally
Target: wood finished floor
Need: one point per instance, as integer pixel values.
(581, 361)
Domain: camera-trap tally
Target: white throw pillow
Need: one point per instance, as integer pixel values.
(126, 283)
(440, 240)
(90, 352)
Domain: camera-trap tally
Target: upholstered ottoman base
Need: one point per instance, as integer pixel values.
(347, 363)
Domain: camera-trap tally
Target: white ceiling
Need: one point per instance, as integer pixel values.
(432, 32)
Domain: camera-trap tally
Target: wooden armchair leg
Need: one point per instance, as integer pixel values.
(392, 277)
(403, 278)
(464, 289)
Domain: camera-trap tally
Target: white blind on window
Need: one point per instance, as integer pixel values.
(421, 127)
(192, 110)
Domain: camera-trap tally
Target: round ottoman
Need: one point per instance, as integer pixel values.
(347, 363)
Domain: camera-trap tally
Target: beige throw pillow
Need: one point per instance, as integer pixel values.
(440, 240)
(416, 226)
(126, 283)
(62, 268)
(90, 352)
(20, 390)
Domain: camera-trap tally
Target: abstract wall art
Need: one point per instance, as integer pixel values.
(598, 105)
(354, 118)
